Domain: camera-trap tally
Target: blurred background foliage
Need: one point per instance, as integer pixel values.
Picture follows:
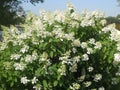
(115, 20)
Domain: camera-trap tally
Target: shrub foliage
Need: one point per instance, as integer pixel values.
(61, 50)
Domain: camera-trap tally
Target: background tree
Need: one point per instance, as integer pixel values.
(118, 2)
(111, 19)
(115, 20)
(10, 11)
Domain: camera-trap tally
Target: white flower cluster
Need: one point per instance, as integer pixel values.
(62, 70)
(87, 83)
(97, 77)
(24, 49)
(88, 18)
(85, 57)
(37, 87)
(15, 56)
(24, 80)
(72, 62)
(3, 46)
(76, 43)
(19, 66)
(101, 88)
(75, 86)
(117, 57)
(90, 69)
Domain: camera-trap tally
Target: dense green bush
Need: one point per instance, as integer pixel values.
(61, 50)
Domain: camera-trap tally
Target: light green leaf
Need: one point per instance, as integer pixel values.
(45, 83)
(55, 83)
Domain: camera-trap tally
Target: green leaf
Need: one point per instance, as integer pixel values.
(5, 75)
(59, 76)
(11, 84)
(51, 54)
(45, 83)
(15, 79)
(38, 71)
(55, 83)
(10, 78)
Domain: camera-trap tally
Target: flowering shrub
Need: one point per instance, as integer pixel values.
(61, 50)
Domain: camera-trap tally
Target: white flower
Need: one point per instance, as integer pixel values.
(34, 55)
(84, 45)
(74, 50)
(24, 80)
(37, 87)
(70, 6)
(75, 86)
(117, 57)
(101, 88)
(19, 66)
(3, 46)
(87, 83)
(115, 35)
(97, 77)
(103, 22)
(28, 58)
(91, 22)
(35, 41)
(58, 33)
(66, 60)
(108, 28)
(44, 56)
(48, 17)
(90, 69)
(97, 14)
(89, 50)
(24, 49)
(76, 43)
(24, 35)
(117, 74)
(115, 81)
(34, 80)
(60, 16)
(118, 46)
(84, 23)
(74, 24)
(62, 70)
(87, 22)
(15, 56)
(85, 57)
(75, 15)
(38, 24)
(76, 59)
(69, 36)
(92, 41)
(98, 45)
